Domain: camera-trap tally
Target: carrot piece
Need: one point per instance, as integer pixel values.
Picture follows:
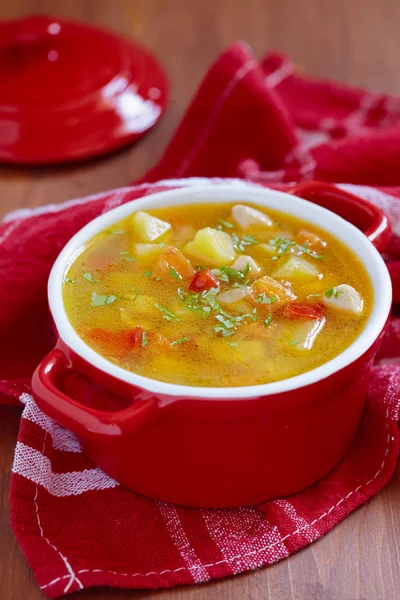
(303, 310)
(311, 239)
(173, 263)
(118, 342)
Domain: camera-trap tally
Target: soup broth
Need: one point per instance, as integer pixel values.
(217, 295)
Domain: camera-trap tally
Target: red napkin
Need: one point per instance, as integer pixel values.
(77, 527)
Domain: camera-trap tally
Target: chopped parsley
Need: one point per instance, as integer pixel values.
(264, 299)
(145, 341)
(281, 245)
(129, 258)
(116, 231)
(313, 295)
(89, 277)
(200, 302)
(126, 252)
(206, 302)
(167, 314)
(233, 344)
(294, 342)
(227, 324)
(181, 341)
(147, 273)
(69, 280)
(246, 270)
(226, 224)
(240, 243)
(333, 291)
(232, 273)
(220, 274)
(102, 299)
(268, 320)
(132, 295)
(174, 273)
(225, 272)
(284, 245)
(304, 249)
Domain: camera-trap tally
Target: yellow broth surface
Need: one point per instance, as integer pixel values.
(129, 299)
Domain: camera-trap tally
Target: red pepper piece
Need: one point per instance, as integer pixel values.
(204, 280)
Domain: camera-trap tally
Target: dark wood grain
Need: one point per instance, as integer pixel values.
(354, 41)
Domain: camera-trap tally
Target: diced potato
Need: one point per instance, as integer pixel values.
(170, 362)
(247, 351)
(233, 295)
(143, 304)
(119, 281)
(131, 318)
(304, 335)
(270, 287)
(313, 241)
(172, 263)
(183, 233)
(147, 228)
(297, 269)
(265, 249)
(246, 216)
(318, 286)
(344, 297)
(211, 247)
(241, 263)
(147, 254)
(136, 311)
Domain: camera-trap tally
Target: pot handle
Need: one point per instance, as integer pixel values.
(367, 217)
(83, 420)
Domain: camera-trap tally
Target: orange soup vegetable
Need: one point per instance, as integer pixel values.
(217, 295)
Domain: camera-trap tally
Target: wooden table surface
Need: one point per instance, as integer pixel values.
(354, 41)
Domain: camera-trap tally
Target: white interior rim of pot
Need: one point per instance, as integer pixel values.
(229, 193)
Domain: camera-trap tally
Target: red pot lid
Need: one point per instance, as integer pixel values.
(69, 91)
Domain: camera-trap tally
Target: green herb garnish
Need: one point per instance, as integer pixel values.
(102, 299)
(246, 270)
(294, 342)
(69, 280)
(116, 231)
(226, 224)
(132, 296)
(167, 314)
(233, 344)
(232, 272)
(174, 273)
(333, 292)
(264, 299)
(304, 249)
(220, 274)
(181, 341)
(89, 277)
(313, 295)
(129, 258)
(268, 320)
(147, 273)
(281, 245)
(145, 341)
(246, 240)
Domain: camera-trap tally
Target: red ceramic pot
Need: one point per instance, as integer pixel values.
(219, 447)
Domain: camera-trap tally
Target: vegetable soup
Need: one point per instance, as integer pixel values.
(217, 295)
